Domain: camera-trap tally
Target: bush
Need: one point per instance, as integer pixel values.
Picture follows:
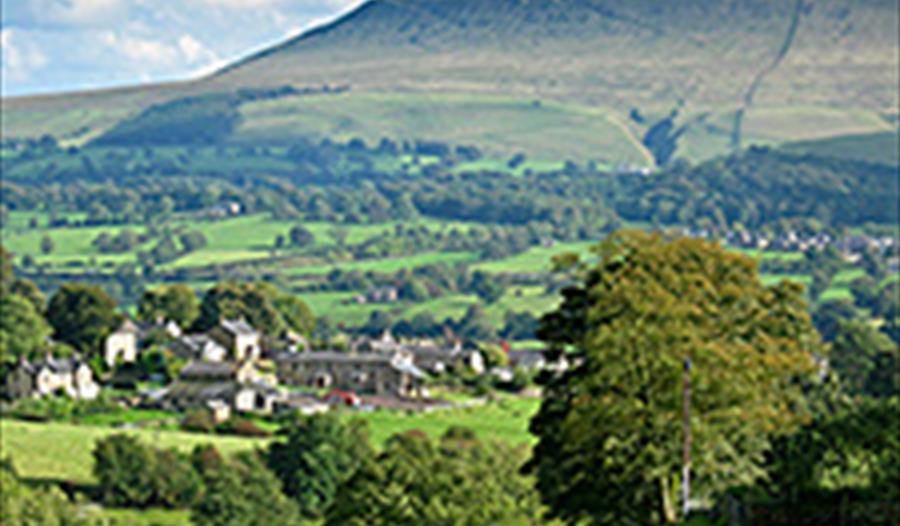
(60, 408)
(242, 427)
(198, 422)
(130, 473)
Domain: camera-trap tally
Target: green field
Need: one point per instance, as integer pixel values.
(237, 239)
(60, 451)
(387, 265)
(547, 131)
(63, 451)
(71, 246)
(505, 420)
(534, 260)
(340, 307)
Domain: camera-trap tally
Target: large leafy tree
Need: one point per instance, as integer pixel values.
(849, 448)
(460, 480)
(82, 316)
(242, 492)
(124, 467)
(314, 456)
(22, 329)
(177, 303)
(865, 359)
(23, 504)
(610, 428)
(261, 304)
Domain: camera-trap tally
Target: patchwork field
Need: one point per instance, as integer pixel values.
(251, 238)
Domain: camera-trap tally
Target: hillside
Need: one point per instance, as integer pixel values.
(580, 79)
(881, 148)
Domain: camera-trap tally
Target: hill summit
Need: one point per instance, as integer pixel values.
(602, 51)
(697, 77)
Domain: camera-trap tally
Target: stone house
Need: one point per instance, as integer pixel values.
(527, 359)
(438, 360)
(239, 337)
(199, 347)
(372, 373)
(379, 295)
(122, 344)
(202, 385)
(67, 376)
(536, 360)
(425, 355)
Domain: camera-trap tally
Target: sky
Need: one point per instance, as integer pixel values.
(65, 45)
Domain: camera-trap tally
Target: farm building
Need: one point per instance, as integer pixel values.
(373, 373)
(50, 376)
(201, 384)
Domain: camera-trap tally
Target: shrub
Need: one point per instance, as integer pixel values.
(242, 427)
(198, 422)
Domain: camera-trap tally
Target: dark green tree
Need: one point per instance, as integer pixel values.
(261, 304)
(242, 492)
(177, 303)
(865, 359)
(23, 330)
(82, 316)
(314, 455)
(193, 240)
(26, 505)
(47, 245)
(487, 287)
(124, 468)
(301, 237)
(459, 480)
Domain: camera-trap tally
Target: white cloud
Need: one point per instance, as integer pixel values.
(140, 51)
(19, 60)
(241, 4)
(53, 45)
(194, 51)
(145, 54)
(65, 13)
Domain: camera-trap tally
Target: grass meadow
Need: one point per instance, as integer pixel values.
(62, 451)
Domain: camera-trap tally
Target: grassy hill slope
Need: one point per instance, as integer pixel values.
(881, 148)
(793, 70)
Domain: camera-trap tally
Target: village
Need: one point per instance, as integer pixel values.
(235, 369)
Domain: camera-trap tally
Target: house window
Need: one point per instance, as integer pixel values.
(322, 380)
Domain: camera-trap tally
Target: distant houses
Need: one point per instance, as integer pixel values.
(51, 376)
(425, 354)
(382, 295)
(219, 385)
(234, 368)
(122, 344)
(370, 373)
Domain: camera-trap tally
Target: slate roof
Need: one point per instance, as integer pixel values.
(321, 357)
(333, 356)
(203, 390)
(238, 327)
(56, 365)
(198, 343)
(410, 369)
(212, 370)
(128, 325)
(526, 358)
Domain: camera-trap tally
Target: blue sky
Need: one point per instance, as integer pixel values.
(64, 45)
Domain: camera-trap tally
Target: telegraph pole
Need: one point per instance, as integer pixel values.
(686, 445)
